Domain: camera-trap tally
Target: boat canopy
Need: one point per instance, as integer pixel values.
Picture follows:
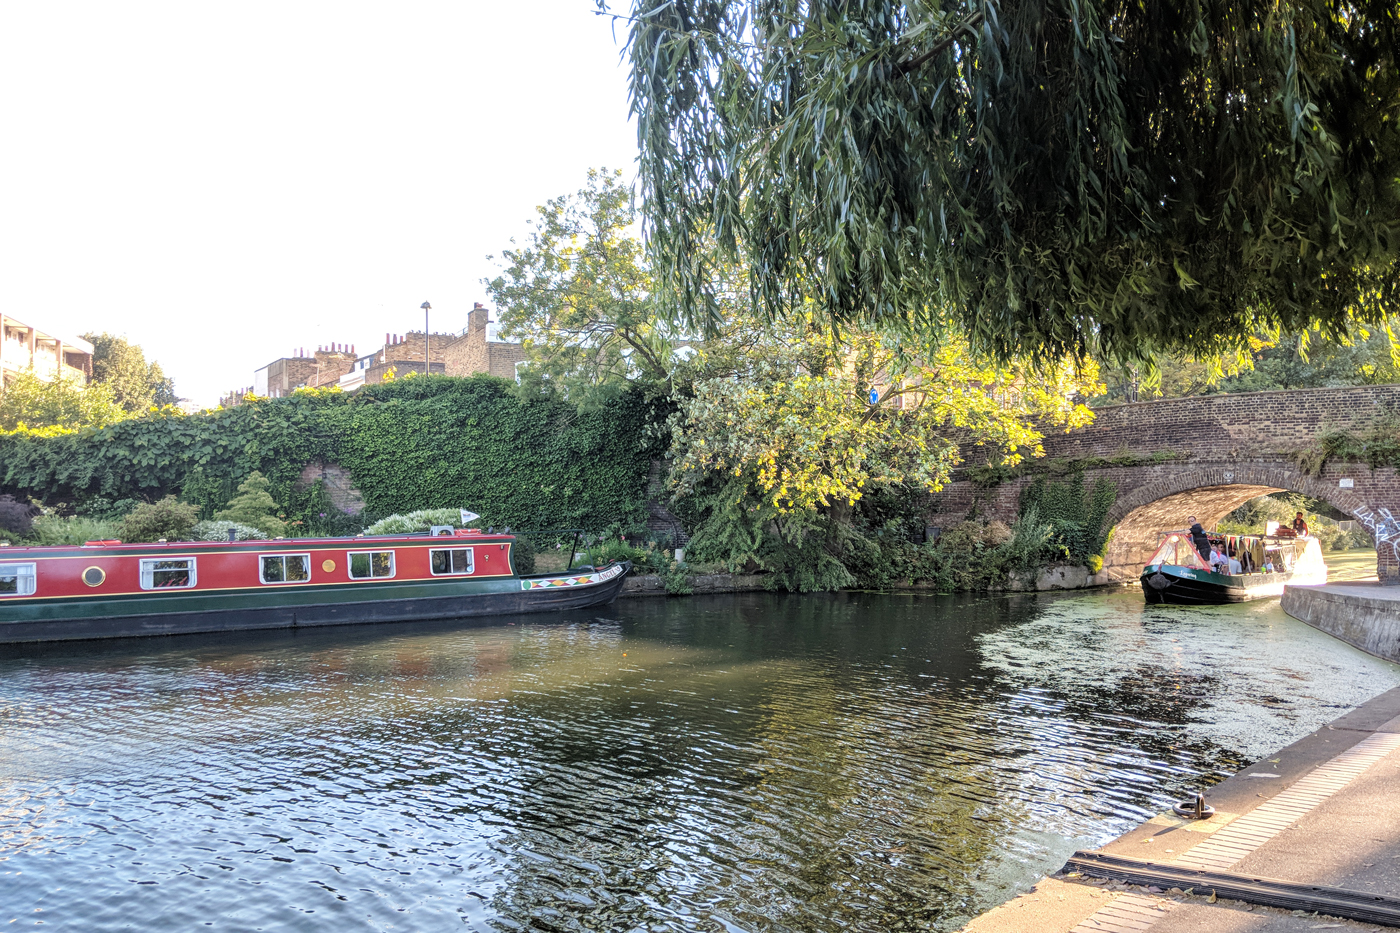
(1177, 549)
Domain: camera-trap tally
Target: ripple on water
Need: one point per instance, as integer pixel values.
(767, 763)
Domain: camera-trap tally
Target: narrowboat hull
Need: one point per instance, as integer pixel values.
(230, 610)
(1168, 583)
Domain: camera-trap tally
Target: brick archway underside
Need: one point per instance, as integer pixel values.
(1136, 535)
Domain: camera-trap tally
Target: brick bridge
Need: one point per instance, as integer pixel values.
(1226, 450)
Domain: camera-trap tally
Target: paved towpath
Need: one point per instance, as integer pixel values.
(1325, 810)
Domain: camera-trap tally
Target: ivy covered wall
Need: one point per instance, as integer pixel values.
(418, 443)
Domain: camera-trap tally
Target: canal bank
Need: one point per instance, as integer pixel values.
(1364, 614)
(1321, 814)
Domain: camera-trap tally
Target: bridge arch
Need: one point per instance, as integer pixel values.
(1210, 494)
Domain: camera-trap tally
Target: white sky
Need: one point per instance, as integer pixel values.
(224, 183)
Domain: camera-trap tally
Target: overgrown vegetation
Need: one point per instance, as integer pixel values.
(1377, 445)
(438, 442)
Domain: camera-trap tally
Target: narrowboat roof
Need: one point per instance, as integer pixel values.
(466, 536)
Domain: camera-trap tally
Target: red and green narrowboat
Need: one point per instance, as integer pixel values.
(106, 589)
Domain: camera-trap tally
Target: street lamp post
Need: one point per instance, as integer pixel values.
(427, 367)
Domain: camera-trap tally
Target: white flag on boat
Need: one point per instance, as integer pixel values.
(468, 517)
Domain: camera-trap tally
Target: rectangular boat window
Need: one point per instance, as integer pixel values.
(284, 568)
(451, 560)
(167, 573)
(17, 580)
(367, 564)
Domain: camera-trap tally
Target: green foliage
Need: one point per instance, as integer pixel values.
(644, 560)
(1377, 445)
(523, 554)
(30, 405)
(1076, 517)
(744, 531)
(414, 522)
(579, 297)
(218, 531)
(169, 518)
(103, 509)
(434, 442)
(121, 366)
(254, 506)
(1281, 507)
(74, 530)
(1050, 176)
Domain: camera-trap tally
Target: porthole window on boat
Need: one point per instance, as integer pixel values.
(449, 561)
(17, 580)
(94, 576)
(284, 568)
(367, 564)
(167, 573)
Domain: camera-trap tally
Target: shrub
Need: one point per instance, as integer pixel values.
(103, 509)
(524, 554)
(643, 560)
(169, 518)
(52, 530)
(16, 517)
(218, 531)
(414, 522)
(254, 506)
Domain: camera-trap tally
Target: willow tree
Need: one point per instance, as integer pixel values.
(1048, 176)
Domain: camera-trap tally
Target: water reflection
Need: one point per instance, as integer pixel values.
(731, 763)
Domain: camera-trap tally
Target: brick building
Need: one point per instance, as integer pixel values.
(478, 349)
(324, 367)
(25, 347)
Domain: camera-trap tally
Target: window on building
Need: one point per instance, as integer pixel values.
(367, 564)
(451, 560)
(167, 573)
(17, 580)
(284, 568)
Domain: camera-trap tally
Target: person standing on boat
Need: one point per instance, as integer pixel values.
(1300, 526)
(1199, 539)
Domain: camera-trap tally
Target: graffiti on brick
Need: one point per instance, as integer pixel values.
(1384, 527)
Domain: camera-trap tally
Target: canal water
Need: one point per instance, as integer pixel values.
(727, 763)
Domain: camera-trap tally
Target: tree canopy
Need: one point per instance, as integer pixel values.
(1048, 176)
(578, 294)
(31, 404)
(121, 365)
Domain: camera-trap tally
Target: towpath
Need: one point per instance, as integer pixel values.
(1323, 812)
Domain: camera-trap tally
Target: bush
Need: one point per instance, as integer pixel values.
(643, 560)
(169, 519)
(103, 509)
(524, 555)
(254, 506)
(414, 522)
(50, 530)
(218, 531)
(16, 517)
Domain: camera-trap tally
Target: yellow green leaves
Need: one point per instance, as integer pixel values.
(798, 422)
